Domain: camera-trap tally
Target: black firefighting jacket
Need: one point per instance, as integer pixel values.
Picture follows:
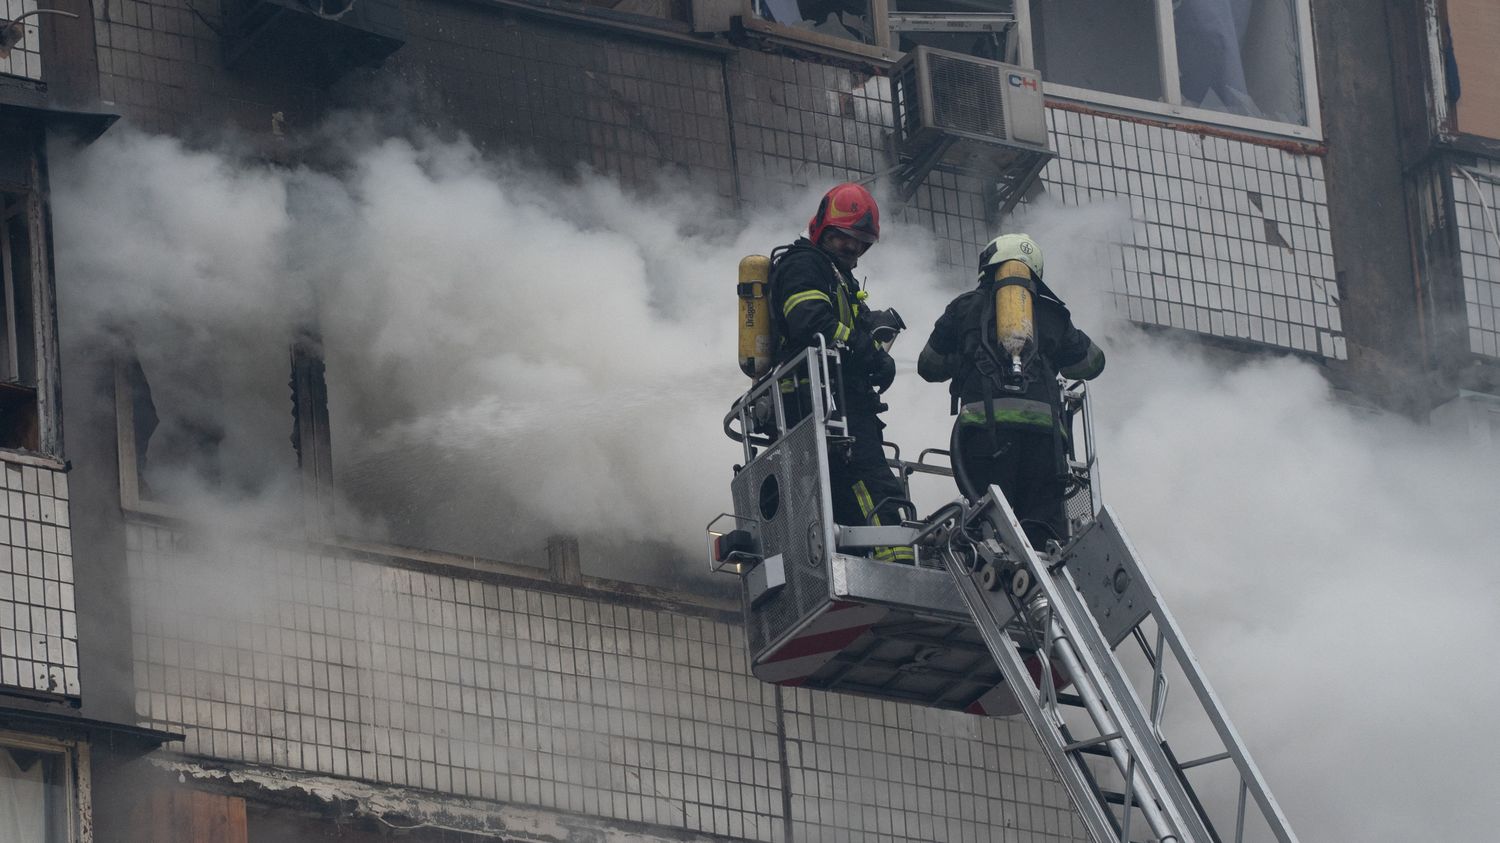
(812, 294)
(955, 351)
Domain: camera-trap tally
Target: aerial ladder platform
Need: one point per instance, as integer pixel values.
(1074, 637)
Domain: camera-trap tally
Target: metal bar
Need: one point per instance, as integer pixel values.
(1158, 688)
(1207, 759)
(874, 536)
(953, 22)
(1239, 819)
(1249, 773)
(1166, 37)
(1094, 816)
(1025, 54)
(1096, 675)
(12, 361)
(1075, 746)
(1102, 708)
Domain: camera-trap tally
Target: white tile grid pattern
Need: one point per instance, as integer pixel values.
(350, 668)
(25, 58)
(1229, 238)
(800, 124)
(869, 770)
(38, 619)
(1479, 254)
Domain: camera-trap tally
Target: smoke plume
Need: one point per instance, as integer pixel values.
(511, 355)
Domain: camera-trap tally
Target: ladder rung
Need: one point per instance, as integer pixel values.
(1090, 743)
(1115, 797)
(1101, 751)
(1070, 699)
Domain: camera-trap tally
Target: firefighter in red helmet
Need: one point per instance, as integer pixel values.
(814, 293)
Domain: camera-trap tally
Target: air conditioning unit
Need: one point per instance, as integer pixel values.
(969, 114)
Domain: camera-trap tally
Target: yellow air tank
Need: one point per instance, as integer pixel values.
(755, 315)
(1015, 323)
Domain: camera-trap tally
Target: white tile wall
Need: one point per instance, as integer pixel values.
(38, 620)
(1228, 237)
(868, 770)
(352, 668)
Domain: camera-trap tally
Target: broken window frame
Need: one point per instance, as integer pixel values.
(29, 369)
(1172, 105)
(309, 431)
(880, 31)
(71, 783)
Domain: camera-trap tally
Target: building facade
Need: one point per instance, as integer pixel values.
(1282, 201)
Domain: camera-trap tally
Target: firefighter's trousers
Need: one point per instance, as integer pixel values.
(1026, 464)
(866, 490)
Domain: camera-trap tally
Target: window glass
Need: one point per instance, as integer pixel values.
(32, 799)
(1100, 45)
(1240, 57)
(848, 19)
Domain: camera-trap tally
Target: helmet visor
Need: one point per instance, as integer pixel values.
(862, 236)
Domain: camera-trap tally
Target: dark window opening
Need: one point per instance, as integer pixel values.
(20, 425)
(216, 421)
(847, 19)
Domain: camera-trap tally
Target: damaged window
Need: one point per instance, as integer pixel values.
(1240, 57)
(211, 424)
(1239, 62)
(19, 373)
(33, 795)
(851, 20)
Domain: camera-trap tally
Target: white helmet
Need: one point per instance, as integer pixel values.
(1012, 247)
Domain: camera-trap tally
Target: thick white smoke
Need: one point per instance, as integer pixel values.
(510, 355)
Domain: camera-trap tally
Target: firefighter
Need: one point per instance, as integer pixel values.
(814, 293)
(1002, 345)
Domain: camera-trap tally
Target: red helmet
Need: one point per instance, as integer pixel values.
(850, 209)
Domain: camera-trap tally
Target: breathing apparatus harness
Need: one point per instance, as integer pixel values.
(1010, 368)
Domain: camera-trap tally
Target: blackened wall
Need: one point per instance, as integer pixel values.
(1366, 200)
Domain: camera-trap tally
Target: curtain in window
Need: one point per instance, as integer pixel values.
(1209, 56)
(23, 796)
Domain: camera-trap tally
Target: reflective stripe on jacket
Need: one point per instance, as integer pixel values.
(1010, 411)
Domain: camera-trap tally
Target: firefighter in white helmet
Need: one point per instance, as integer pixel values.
(1002, 345)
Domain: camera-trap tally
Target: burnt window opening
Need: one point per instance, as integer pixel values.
(20, 422)
(850, 20)
(215, 420)
(310, 432)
